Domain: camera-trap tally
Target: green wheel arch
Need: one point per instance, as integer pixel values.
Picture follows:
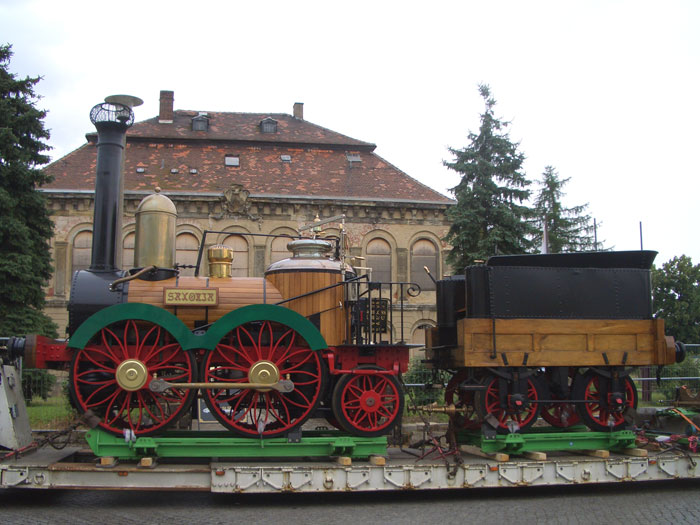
(126, 311)
(261, 312)
(183, 335)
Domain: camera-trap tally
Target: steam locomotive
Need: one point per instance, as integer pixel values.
(519, 337)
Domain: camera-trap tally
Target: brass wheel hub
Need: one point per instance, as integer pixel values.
(132, 375)
(264, 372)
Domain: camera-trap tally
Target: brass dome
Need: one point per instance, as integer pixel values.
(156, 203)
(154, 245)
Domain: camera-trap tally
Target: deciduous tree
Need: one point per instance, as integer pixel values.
(676, 293)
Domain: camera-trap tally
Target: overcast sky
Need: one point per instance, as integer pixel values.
(607, 92)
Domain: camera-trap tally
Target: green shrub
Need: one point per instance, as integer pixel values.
(427, 393)
(36, 383)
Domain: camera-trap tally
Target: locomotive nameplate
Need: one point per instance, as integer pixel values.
(191, 296)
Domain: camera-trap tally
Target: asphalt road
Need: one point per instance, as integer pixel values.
(641, 503)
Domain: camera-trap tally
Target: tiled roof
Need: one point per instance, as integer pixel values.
(319, 165)
(244, 127)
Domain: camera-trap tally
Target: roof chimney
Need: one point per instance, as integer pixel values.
(166, 107)
(299, 110)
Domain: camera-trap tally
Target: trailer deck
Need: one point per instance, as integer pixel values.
(76, 468)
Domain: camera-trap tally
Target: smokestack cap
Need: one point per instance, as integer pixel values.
(129, 101)
(107, 114)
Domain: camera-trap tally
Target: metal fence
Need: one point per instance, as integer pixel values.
(39, 384)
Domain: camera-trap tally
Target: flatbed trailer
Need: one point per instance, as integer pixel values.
(323, 461)
(77, 468)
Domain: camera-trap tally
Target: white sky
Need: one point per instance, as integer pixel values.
(605, 91)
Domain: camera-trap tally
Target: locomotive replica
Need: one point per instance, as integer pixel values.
(520, 337)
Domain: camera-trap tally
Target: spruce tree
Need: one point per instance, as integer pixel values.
(489, 217)
(568, 229)
(25, 226)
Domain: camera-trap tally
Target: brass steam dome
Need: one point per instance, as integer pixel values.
(155, 232)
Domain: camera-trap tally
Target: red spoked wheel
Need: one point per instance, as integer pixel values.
(512, 411)
(367, 403)
(466, 419)
(598, 413)
(263, 352)
(560, 414)
(110, 377)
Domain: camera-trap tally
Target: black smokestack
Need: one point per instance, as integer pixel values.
(111, 120)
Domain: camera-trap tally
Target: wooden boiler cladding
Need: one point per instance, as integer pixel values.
(327, 303)
(231, 294)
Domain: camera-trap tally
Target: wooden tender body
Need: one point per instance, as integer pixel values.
(557, 342)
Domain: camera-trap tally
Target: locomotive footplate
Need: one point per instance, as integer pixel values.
(220, 444)
(545, 440)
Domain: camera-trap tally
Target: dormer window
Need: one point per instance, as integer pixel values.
(268, 125)
(200, 122)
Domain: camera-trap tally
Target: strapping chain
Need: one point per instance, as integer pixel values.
(58, 440)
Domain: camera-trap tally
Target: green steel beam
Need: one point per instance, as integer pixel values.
(550, 441)
(220, 444)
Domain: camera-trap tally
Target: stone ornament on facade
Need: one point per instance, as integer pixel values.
(235, 203)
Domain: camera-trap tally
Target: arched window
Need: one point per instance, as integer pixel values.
(379, 259)
(279, 249)
(424, 253)
(418, 335)
(418, 338)
(186, 250)
(239, 245)
(128, 251)
(82, 251)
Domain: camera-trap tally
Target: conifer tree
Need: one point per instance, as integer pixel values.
(568, 229)
(25, 226)
(489, 217)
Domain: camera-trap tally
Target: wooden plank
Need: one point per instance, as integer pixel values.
(603, 454)
(379, 461)
(537, 456)
(636, 452)
(476, 451)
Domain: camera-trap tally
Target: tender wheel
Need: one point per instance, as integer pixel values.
(467, 420)
(367, 404)
(263, 352)
(562, 414)
(111, 374)
(510, 409)
(603, 410)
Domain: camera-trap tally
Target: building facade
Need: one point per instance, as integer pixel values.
(245, 173)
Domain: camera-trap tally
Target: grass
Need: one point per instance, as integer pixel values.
(54, 413)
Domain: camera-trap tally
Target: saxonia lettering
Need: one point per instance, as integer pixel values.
(191, 296)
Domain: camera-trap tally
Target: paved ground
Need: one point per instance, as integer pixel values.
(657, 503)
